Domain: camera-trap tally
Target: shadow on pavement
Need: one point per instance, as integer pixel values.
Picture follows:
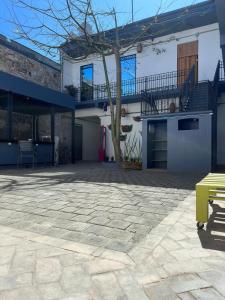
(213, 237)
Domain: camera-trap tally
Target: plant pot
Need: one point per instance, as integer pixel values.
(131, 165)
(123, 137)
(137, 119)
(123, 112)
(172, 107)
(126, 128)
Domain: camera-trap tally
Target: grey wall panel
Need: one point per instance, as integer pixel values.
(145, 144)
(190, 150)
(187, 150)
(221, 131)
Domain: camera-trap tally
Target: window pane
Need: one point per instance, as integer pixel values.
(3, 117)
(128, 74)
(43, 124)
(86, 82)
(22, 125)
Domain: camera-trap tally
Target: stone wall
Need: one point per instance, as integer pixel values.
(33, 69)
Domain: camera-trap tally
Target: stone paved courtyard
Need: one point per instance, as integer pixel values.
(43, 256)
(92, 204)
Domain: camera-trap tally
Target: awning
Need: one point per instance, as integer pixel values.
(27, 88)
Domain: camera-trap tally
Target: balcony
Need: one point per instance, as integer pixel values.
(168, 92)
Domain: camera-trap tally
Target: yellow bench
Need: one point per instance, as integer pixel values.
(210, 188)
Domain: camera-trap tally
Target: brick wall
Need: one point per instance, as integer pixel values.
(26, 67)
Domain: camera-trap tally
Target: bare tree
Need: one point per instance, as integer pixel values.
(57, 25)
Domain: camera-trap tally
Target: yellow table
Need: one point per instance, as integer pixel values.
(210, 188)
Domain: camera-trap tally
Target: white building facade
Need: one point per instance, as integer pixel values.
(160, 63)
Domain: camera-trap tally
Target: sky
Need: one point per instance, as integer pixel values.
(142, 9)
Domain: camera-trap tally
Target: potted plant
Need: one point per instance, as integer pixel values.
(72, 90)
(127, 128)
(123, 137)
(137, 118)
(123, 112)
(110, 126)
(132, 154)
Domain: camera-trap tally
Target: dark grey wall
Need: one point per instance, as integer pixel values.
(9, 154)
(221, 131)
(187, 150)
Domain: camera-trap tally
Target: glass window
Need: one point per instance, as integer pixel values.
(128, 74)
(86, 74)
(188, 124)
(3, 117)
(22, 126)
(43, 128)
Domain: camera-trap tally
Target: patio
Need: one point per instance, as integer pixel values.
(93, 204)
(51, 248)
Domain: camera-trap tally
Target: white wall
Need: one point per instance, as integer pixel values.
(131, 109)
(149, 63)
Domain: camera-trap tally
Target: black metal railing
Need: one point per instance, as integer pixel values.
(221, 71)
(134, 87)
(171, 99)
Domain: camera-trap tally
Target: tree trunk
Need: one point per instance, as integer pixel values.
(117, 148)
(115, 115)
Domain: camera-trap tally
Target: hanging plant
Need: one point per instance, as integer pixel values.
(137, 118)
(127, 128)
(123, 137)
(172, 107)
(123, 112)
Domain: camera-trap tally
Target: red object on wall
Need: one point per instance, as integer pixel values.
(102, 144)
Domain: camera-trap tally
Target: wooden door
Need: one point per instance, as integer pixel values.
(187, 57)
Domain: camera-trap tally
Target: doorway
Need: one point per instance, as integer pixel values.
(78, 141)
(157, 144)
(88, 136)
(187, 57)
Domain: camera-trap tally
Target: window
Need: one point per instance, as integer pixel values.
(188, 124)
(3, 116)
(22, 126)
(86, 77)
(128, 74)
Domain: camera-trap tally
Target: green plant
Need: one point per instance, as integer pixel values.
(127, 128)
(132, 149)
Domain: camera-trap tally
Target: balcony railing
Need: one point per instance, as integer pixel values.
(134, 87)
(221, 72)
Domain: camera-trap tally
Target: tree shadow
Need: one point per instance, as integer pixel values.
(100, 174)
(213, 237)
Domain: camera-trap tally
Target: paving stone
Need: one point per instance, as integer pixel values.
(6, 255)
(15, 281)
(215, 278)
(187, 282)
(108, 286)
(206, 294)
(119, 245)
(75, 280)
(51, 291)
(23, 262)
(99, 221)
(84, 211)
(21, 294)
(186, 296)
(99, 265)
(160, 291)
(48, 270)
(118, 224)
(99, 230)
